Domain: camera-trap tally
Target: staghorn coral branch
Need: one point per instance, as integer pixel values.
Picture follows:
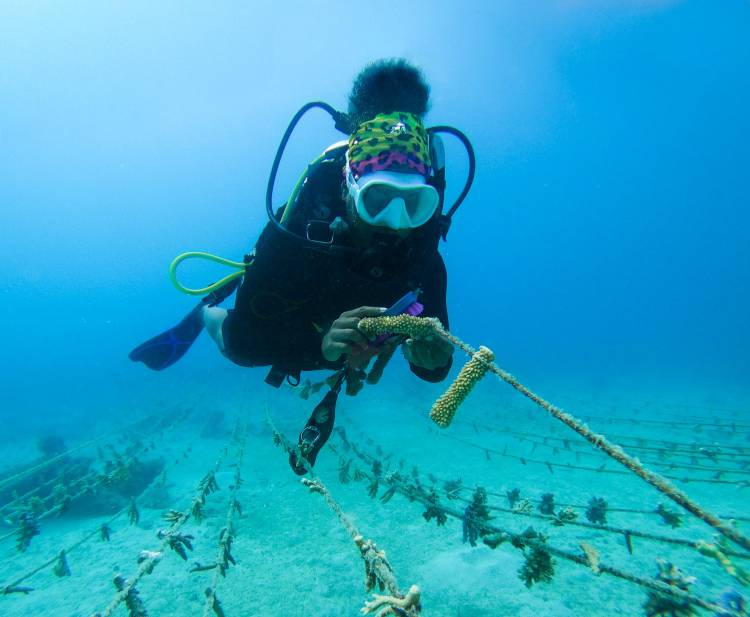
(446, 406)
(385, 604)
(422, 327)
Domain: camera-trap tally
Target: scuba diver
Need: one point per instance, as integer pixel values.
(360, 231)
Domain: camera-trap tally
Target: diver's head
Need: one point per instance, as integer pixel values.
(387, 170)
(388, 159)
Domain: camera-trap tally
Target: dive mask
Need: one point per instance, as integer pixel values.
(392, 199)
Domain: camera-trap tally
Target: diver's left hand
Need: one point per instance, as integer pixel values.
(429, 353)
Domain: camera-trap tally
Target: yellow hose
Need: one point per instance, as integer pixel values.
(240, 266)
(236, 264)
(297, 187)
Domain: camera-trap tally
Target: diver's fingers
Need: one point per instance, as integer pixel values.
(345, 323)
(348, 336)
(365, 311)
(349, 320)
(335, 350)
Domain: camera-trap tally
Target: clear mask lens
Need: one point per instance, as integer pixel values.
(419, 202)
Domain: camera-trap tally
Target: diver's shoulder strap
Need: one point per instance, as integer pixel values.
(437, 152)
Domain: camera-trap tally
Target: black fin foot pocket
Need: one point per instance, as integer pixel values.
(315, 434)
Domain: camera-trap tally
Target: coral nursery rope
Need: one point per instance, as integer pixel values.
(147, 566)
(377, 569)
(69, 549)
(421, 326)
(570, 466)
(228, 530)
(413, 493)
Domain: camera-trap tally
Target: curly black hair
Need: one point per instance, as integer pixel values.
(388, 85)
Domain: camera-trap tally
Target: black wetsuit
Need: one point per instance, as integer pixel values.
(292, 293)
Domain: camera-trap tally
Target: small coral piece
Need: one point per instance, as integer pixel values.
(663, 605)
(716, 551)
(172, 516)
(494, 540)
(629, 542)
(392, 605)
(61, 565)
(372, 489)
(596, 511)
(565, 515)
(476, 515)
(523, 507)
(178, 542)
(151, 557)
(200, 567)
(418, 327)
(206, 486)
(35, 505)
(538, 566)
(386, 497)
(214, 602)
(521, 540)
(670, 517)
(433, 510)
(28, 527)
(344, 466)
(446, 406)
(378, 571)
(547, 505)
(105, 532)
(512, 496)
(453, 488)
(225, 540)
(314, 486)
(133, 602)
(592, 556)
(133, 514)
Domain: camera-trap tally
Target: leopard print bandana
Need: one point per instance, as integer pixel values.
(389, 142)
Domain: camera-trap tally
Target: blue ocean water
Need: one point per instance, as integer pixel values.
(602, 253)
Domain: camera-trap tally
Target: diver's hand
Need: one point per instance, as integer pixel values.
(343, 336)
(429, 353)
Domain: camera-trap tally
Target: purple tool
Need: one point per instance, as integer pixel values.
(408, 305)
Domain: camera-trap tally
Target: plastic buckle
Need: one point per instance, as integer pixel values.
(319, 229)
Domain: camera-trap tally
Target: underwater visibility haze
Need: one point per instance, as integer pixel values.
(587, 453)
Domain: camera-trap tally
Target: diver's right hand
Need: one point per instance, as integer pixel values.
(343, 336)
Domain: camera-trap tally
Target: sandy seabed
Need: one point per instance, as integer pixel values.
(294, 558)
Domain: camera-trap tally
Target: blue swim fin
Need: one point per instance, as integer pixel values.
(166, 348)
